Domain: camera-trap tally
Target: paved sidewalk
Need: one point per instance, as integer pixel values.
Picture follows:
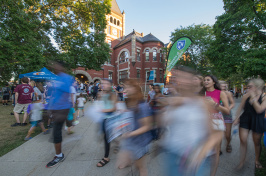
(84, 149)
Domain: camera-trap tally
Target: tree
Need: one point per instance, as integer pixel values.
(28, 28)
(195, 56)
(239, 45)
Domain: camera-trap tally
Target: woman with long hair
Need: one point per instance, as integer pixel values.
(214, 96)
(109, 106)
(134, 145)
(36, 90)
(228, 117)
(254, 104)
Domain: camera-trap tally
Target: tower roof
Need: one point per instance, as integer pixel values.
(115, 8)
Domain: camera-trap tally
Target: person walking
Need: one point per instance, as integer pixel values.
(135, 144)
(59, 106)
(252, 119)
(228, 118)
(23, 97)
(214, 96)
(109, 107)
(35, 112)
(189, 137)
(6, 94)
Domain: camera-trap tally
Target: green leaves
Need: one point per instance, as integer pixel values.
(240, 42)
(195, 56)
(28, 28)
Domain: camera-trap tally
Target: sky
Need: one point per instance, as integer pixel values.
(161, 17)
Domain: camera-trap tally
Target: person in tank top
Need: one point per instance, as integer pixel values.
(254, 105)
(214, 95)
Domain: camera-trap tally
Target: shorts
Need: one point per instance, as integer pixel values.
(35, 123)
(6, 97)
(80, 108)
(19, 107)
(69, 123)
(60, 116)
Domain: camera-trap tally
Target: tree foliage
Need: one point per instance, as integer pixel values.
(239, 45)
(33, 32)
(195, 57)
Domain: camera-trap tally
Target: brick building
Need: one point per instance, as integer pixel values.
(133, 55)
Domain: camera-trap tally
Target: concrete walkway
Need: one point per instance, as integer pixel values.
(84, 149)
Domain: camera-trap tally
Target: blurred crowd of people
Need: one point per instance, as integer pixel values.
(188, 118)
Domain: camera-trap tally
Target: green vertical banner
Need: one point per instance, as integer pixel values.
(176, 52)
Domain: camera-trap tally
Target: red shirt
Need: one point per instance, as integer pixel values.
(24, 93)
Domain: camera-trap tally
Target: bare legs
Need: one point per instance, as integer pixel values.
(228, 136)
(243, 135)
(24, 117)
(217, 156)
(125, 160)
(257, 144)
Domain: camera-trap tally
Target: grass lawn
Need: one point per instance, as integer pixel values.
(262, 172)
(11, 137)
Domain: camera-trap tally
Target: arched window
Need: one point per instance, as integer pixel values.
(114, 21)
(118, 23)
(111, 19)
(154, 55)
(123, 57)
(147, 52)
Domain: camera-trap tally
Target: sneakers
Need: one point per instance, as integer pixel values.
(24, 124)
(55, 161)
(75, 122)
(16, 124)
(27, 138)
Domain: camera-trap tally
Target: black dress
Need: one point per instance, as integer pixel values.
(250, 119)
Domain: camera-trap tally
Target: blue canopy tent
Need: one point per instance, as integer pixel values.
(43, 74)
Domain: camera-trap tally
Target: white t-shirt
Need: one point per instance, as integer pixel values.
(81, 101)
(81, 86)
(36, 111)
(74, 92)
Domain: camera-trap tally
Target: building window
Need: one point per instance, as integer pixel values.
(154, 55)
(114, 21)
(110, 75)
(161, 56)
(161, 76)
(138, 73)
(123, 57)
(109, 43)
(119, 34)
(123, 75)
(111, 19)
(147, 52)
(147, 75)
(109, 29)
(118, 23)
(138, 54)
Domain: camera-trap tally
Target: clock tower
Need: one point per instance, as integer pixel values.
(115, 23)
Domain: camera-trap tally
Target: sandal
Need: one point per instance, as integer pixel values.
(258, 166)
(102, 163)
(229, 148)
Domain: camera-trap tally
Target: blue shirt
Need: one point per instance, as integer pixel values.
(145, 138)
(61, 93)
(70, 114)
